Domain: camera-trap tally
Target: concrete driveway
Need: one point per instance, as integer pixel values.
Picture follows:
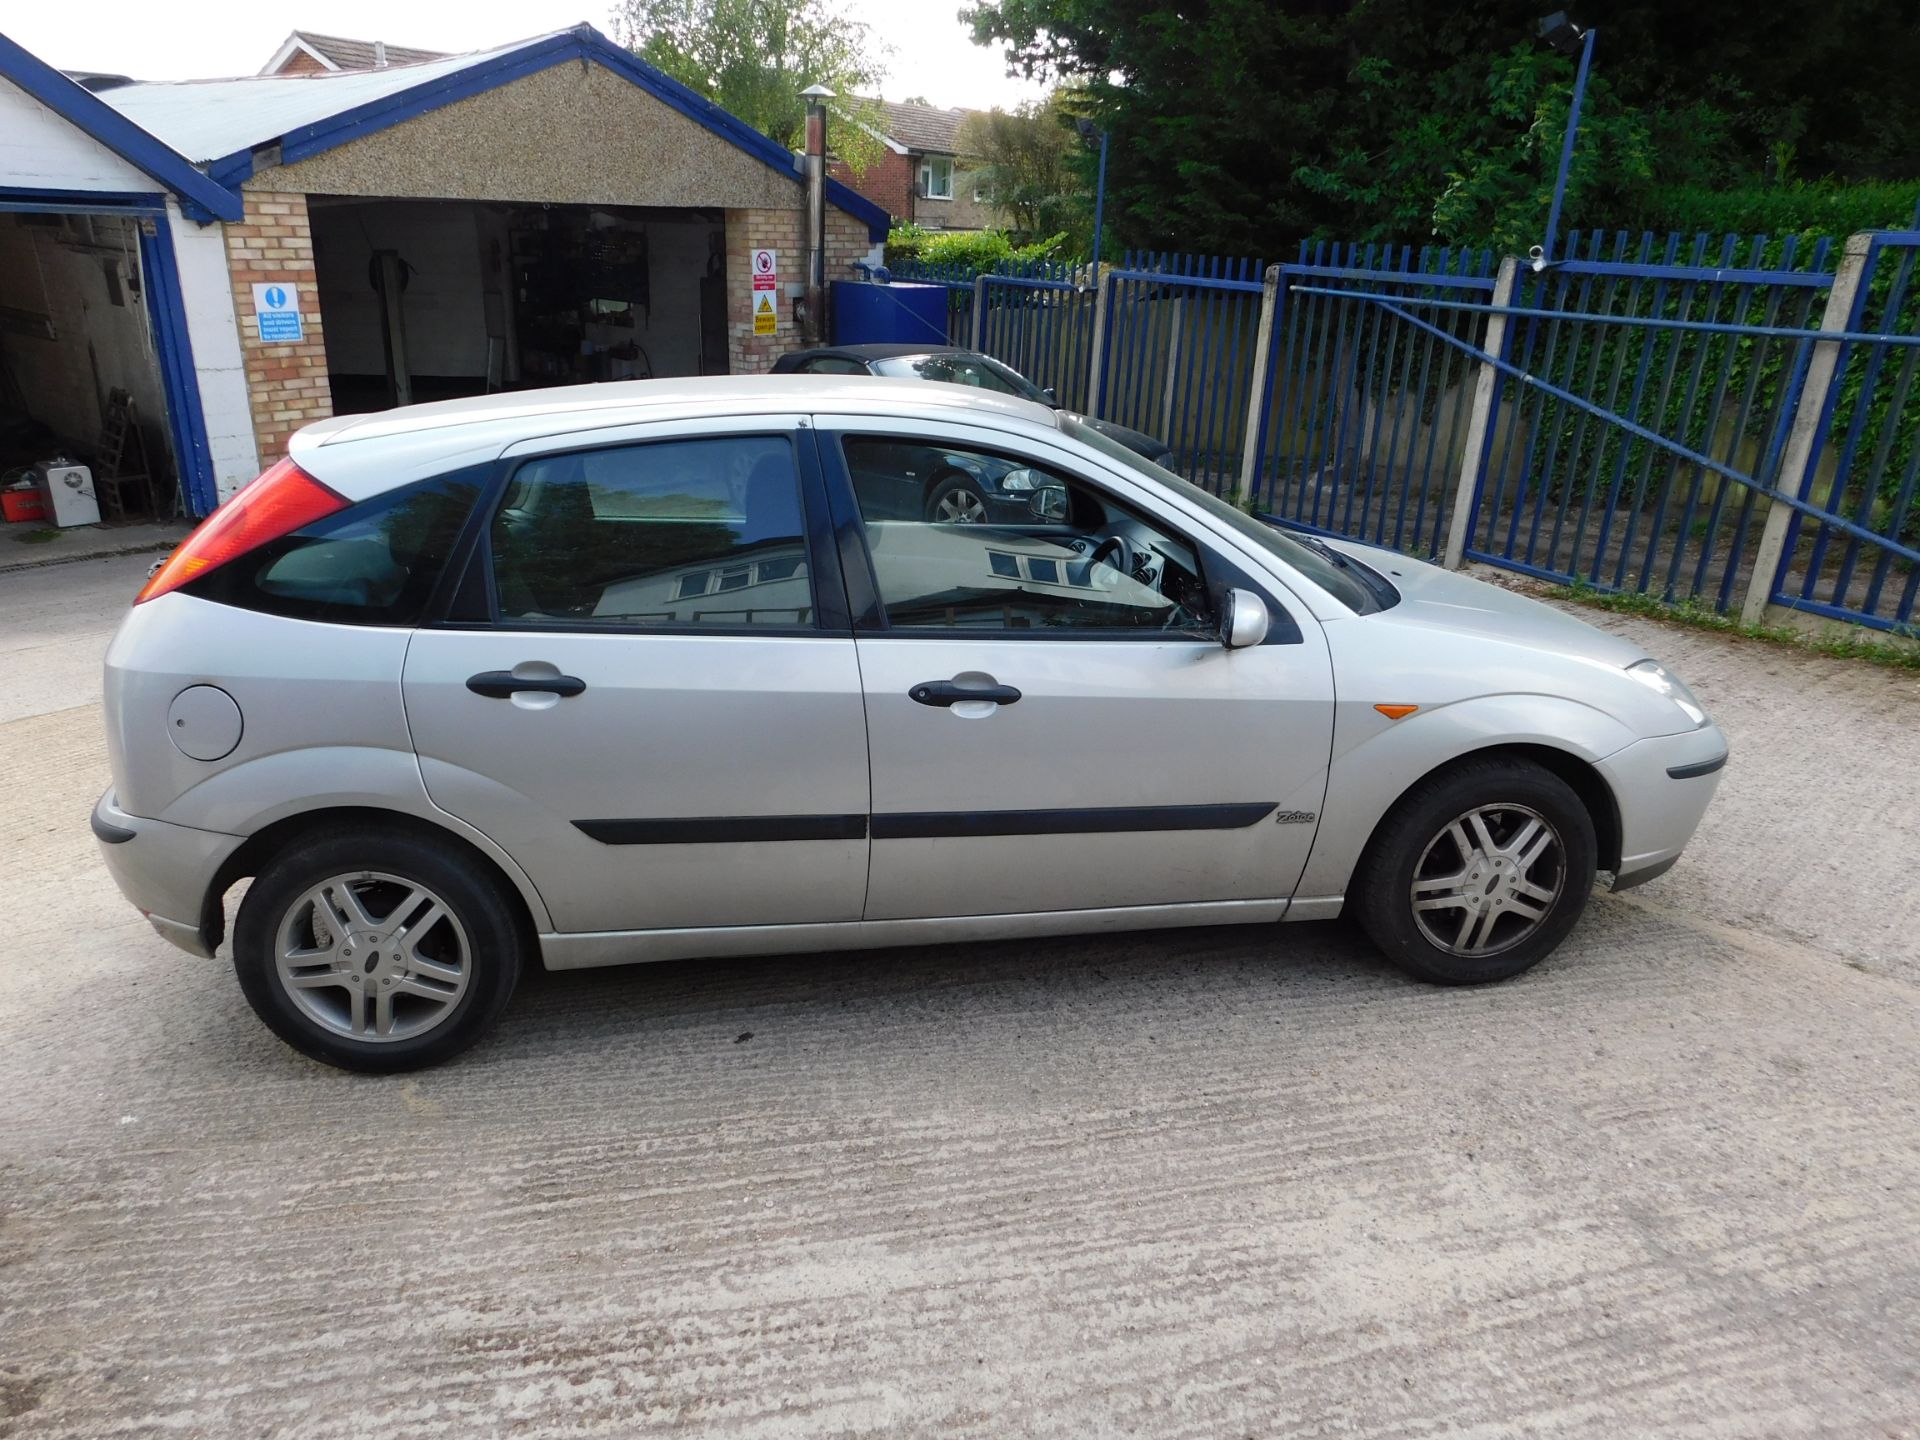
(1215, 1183)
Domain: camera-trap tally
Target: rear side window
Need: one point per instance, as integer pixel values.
(703, 532)
(375, 563)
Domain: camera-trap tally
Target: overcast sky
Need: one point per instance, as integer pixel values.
(932, 53)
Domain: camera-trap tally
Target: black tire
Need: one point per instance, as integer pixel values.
(1416, 830)
(474, 897)
(949, 486)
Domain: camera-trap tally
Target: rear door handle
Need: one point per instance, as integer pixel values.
(503, 684)
(945, 692)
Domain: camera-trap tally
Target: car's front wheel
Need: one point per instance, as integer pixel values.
(376, 952)
(1478, 872)
(957, 501)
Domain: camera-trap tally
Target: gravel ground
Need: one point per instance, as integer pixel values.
(1206, 1183)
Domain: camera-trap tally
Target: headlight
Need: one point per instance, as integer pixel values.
(1653, 675)
(1017, 481)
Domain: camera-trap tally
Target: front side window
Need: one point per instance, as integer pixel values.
(1360, 588)
(936, 177)
(970, 540)
(374, 563)
(703, 532)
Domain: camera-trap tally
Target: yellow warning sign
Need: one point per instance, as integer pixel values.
(765, 318)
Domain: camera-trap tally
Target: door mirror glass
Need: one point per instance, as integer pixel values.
(1049, 503)
(1246, 620)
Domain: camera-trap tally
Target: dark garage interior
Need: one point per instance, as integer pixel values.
(435, 299)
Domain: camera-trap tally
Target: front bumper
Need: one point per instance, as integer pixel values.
(167, 871)
(1663, 786)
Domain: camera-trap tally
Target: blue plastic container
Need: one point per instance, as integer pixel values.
(865, 314)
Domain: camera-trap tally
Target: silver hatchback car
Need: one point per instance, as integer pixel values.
(684, 669)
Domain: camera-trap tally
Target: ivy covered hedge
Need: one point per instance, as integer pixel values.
(969, 249)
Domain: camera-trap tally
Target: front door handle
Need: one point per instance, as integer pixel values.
(945, 693)
(503, 684)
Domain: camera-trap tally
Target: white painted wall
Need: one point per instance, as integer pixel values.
(213, 329)
(39, 149)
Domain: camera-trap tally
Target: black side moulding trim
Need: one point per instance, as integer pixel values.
(1696, 769)
(724, 829)
(1125, 820)
(937, 824)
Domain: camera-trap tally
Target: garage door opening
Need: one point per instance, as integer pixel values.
(80, 372)
(435, 299)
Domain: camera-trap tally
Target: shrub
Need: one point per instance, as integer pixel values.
(964, 249)
(1806, 207)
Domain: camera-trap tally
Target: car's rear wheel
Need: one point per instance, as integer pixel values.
(1478, 873)
(957, 501)
(376, 952)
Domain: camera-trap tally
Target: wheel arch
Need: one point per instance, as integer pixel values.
(259, 850)
(1580, 775)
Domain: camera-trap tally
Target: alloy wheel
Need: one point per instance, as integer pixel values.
(373, 956)
(1488, 880)
(960, 507)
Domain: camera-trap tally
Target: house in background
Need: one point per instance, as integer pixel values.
(305, 53)
(922, 177)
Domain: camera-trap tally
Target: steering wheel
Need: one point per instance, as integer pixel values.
(1116, 551)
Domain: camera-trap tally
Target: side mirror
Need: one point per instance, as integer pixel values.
(1050, 397)
(1245, 622)
(1049, 503)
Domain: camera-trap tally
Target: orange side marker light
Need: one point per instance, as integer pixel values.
(1396, 712)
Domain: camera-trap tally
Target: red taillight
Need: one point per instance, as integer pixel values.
(280, 501)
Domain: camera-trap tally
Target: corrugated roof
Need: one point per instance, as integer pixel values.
(359, 54)
(925, 128)
(207, 120)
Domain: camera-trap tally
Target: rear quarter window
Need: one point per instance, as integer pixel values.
(375, 563)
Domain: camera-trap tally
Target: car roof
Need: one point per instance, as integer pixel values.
(878, 351)
(360, 455)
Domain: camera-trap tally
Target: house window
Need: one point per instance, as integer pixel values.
(936, 177)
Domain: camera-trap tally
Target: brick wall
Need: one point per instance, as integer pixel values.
(301, 63)
(888, 182)
(286, 380)
(784, 231)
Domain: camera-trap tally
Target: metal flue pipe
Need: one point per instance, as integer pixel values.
(815, 328)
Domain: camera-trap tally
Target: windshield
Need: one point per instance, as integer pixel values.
(1344, 579)
(960, 368)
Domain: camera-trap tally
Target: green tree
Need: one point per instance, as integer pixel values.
(754, 57)
(1242, 125)
(1028, 160)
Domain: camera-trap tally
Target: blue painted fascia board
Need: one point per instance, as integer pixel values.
(92, 115)
(186, 419)
(581, 43)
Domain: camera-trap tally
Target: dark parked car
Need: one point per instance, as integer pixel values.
(954, 366)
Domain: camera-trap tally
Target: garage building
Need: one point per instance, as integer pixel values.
(550, 212)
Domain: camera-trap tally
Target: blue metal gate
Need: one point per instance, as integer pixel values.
(1851, 554)
(1177, 355)
(1725, 423)
(1368, 416)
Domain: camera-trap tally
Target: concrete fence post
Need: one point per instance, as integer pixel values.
(980, 312)
(1172, 382)
(1486, 391)
(1097, 361)
(1259, 395)
(1809, 417)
